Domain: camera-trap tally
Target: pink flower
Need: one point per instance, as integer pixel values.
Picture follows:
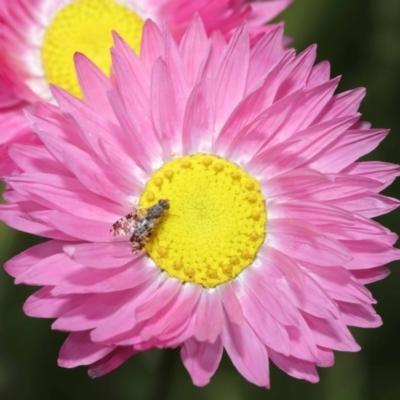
(13, 125)
(39, 37)
(268, 240)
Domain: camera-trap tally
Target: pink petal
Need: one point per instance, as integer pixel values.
(34, 158)
(25, 260)
(362, 315)
(342, 104)
(195, 36)
(339, 284)
(370, 253)
(199, 119)
(369, 205)
(29, 217)
(106, 280)
(325, 357)
(274, 160)
(301, 241)
(349, 148)
(297, 73)
(302, 342)
(133, 111)
(79, 350)
(319, 75)
(131, 176)
(270, 331)
(231, 75)
(145, 158)
(52, 270)
(84, 229)
(94, 84)
(89, 124)
(319, 140)
(45, 118)
(122, 319)
(93, 311)
(268, 9)
(294, 367)
(201, 359)
(287, 266)
(263, 282)
(42, 304)
(288, 183)
(247, 352)
(371, 275)
(167, 116)
(263, 57)
(209, 316)
(382, 171)
(66, 194)
(331, 334)
(315, 212)
(150, 48)
(161, 298)
(101, 255)
(314, 299)
(231, 303)
(172, 321)
(110, 362)
(174, 62)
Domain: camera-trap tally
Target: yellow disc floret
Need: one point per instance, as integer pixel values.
(85, 26)
(216, 221)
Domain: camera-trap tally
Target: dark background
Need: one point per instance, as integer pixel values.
(361, 39)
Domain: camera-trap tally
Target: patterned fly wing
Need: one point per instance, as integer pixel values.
(140, 224)
(126, 225)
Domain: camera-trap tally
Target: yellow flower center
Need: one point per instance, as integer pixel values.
(216, 221)
(85, 26)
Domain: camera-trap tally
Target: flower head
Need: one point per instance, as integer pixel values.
(39, 38)
(264, 239)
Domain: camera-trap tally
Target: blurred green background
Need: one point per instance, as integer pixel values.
(361, 39)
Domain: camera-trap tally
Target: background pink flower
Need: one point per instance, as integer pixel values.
(35, 46)
(270, 112)
(12, 125)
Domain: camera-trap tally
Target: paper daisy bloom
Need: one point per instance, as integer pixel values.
(264, 239)
(38, 39)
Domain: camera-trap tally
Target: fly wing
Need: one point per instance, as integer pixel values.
(125, 225)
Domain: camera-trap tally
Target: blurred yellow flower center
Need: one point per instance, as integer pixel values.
(85, 26)
(216, 221)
